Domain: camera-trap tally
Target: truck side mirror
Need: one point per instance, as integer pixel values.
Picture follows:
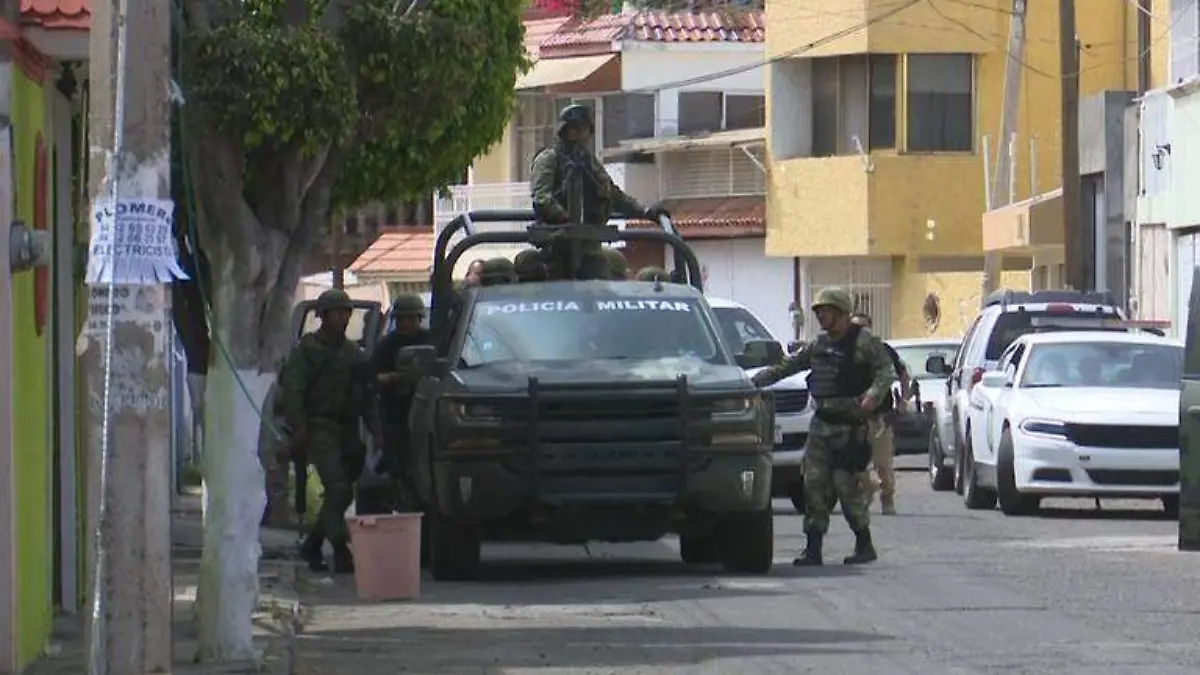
(760, 353)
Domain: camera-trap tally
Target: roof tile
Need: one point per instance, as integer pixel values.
(719, 217)
(675, 27)
(403, 251)
(57, 14)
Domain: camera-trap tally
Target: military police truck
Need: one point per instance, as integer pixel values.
(575, 411)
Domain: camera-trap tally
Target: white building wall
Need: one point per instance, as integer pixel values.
(739, 270)
(647, 66)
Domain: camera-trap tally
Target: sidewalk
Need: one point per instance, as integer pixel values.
(66, 654)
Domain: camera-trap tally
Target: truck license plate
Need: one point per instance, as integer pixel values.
(778, 434)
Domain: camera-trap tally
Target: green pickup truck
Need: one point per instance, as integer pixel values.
(575, 411)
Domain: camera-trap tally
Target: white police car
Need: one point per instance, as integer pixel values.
(792, 410)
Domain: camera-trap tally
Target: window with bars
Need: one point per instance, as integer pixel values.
(534, 127)
(717, 172)
(708, 111)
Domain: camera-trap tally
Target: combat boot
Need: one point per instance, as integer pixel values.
(343, 560)
(311, 552)
(864, 550)
(812, 556)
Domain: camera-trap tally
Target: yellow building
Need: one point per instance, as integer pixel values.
(876, 115)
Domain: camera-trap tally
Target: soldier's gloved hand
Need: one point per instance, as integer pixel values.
(655, 213)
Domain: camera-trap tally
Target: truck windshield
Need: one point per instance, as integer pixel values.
(587, 328)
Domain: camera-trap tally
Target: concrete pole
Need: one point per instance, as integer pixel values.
(1078, 256)
(129, 629)
(993, 263)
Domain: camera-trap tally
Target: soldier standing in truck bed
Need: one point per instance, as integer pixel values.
(324, 394)
(851, 375)
(570, 186)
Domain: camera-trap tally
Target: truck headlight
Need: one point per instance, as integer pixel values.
(739, 407)
(474, 413)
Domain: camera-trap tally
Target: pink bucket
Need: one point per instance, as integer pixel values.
(387, 556)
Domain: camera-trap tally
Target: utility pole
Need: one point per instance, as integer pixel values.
(1002, 188)
(131, 260)
(1077, 255)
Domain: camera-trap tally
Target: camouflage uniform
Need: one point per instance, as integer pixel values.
(324, 393)
(617, 265)
(653, 274)
(570, 186)
(497, 271)
(529, 266)
(395, 397)
(838, 448)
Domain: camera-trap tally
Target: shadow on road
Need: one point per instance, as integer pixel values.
(499, 650)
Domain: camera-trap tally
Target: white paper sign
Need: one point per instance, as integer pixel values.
(133, 243)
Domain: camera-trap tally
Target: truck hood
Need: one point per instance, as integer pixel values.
(797, 381)
(513, 376)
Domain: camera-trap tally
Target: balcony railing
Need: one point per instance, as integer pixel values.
(479, 197)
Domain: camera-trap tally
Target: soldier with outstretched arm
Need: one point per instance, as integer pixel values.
(850, 376)
(570, 186)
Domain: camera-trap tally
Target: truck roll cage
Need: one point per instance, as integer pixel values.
(685, 267)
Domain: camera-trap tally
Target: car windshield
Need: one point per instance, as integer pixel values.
(355, 330)
(588, 327)
(1126, 365)
(914, 356)
(1012, 325)
(739, 326)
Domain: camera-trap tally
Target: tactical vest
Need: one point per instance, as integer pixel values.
(835, 373)
(595, 209)
(335, 371)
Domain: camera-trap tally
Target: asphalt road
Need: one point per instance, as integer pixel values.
(954, 592)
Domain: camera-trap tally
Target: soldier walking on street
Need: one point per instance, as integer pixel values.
(324, 393)
(883, 441)
(397, 384)
(571, 187)
(851, 375)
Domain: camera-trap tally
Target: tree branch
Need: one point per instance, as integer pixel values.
(335, 15)
(218, 168)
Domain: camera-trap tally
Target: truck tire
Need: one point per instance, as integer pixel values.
(749, 542)
(699, 550)
(453, 550)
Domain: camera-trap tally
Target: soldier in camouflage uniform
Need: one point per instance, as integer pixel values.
(396, 383)
(850, 377)
(529, 266)
(570, 186)
(324, 393)
(652, 273)
(618, 267)
(497, 271)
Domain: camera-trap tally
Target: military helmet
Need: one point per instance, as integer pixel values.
(575, 113)
(498, 271)
(334, 298)
(617, 265)
(409, 304)
(653, 273)
(528, 265)
(834, 297)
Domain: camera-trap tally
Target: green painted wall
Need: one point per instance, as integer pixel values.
(32, 445)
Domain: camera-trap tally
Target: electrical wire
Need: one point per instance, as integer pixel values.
(98, 647)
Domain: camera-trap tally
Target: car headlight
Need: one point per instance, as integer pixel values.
(739, 407)
(474, 413)
(1044, 427)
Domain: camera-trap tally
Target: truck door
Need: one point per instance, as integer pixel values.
(1189, 428)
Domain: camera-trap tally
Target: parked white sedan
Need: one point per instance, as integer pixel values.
(1076, 414)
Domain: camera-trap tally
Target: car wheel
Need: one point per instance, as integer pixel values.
(976, 497)
(796, 494)
(941, 479)
(749, 542)
(1171, 505)
(1012, 502)
(454, 550)
(699, 550)
(958, 468)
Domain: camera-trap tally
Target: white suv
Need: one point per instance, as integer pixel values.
(792, 410)
(1006, 316)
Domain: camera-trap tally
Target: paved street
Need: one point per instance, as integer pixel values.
(954, 592)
